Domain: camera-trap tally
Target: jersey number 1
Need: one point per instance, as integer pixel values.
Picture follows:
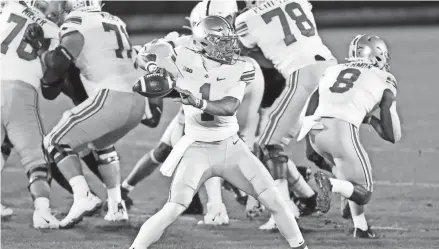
(205, 94)
(117, 30)
(295, 12)
(22, 54)
(345, 80)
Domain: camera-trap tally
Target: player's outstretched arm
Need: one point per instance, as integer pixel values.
(226, 106)
(388, 126)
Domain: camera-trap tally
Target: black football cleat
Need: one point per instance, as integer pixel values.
(345, 210)
(324, 191)
(369, 234)
(307, 206)
(196, 207)
(305, 171)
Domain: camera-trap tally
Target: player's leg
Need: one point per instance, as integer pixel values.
(22, 124)
(108, 158)
(5, 212)
(86, 122)
(193, 170)
(245, 171)
(152, 160)
(216, 210)
(352, 169)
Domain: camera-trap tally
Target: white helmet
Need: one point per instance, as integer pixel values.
(83, 5)
(253, 3)
(39, 5)
(372, 49)
(227, 9)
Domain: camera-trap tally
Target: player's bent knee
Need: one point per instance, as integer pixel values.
(107, 156)
(57, 152)
(181, 194)
(272, 200)
(275, 160)
(161, 152)
(361, 195)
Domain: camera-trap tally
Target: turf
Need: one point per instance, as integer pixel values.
(403, 208)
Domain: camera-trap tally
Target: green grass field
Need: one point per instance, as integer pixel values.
(404, 207)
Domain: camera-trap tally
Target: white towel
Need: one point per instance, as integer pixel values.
(309, 123)
(171, 162)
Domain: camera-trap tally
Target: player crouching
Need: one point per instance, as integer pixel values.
(346, 96)
(211, 146)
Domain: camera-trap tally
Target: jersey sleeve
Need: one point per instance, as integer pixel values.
(248, 76)
(237, 91)
(243, 31)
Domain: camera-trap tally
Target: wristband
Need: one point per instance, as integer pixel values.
(198, 103)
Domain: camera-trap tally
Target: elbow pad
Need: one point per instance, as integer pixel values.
(395, 122)
(57, 63)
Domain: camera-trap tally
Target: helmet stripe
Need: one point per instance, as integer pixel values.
(208, 7)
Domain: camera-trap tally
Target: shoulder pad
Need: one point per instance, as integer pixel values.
(72, 23)
(391, 82)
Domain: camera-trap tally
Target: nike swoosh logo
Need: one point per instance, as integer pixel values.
(220, 79)
(46, 220)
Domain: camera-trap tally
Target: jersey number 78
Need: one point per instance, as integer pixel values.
(296, 13)
(20, 22)
(122, 39)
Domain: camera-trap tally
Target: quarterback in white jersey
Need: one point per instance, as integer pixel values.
(21, 71)
(247, 116)
(346, 96)
(209, 79)
(98, 45)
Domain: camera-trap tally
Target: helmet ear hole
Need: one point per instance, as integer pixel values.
(377, 58)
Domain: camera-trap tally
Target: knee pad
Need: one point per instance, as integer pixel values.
(275, 160)
(161, 152)
(38, 173)
(361, 195)
(107, 156)
(56, 153)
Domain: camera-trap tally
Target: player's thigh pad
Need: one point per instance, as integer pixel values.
(245, 171)
(340, 142)
(104, 112)
(21, 121)
(192, 171)
(135, 109)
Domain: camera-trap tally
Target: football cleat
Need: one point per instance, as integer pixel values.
(307, 206)
(270, 225)
(43, 219)
(216, 215)
(128, 201)
(369, 234)
(81, 206)
(117, 212)
(6, 212)
(324, 191)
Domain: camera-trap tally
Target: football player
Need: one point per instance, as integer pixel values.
(98, 45)
(345, 98)
(211, 146)
(285, 32)
(20, 115)
(247, 118)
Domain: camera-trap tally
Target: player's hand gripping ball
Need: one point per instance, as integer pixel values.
(155, 84)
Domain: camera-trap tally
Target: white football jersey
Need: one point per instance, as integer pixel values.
(107, 59)
(19, 61)
(186, 65)
(350, 91)
(285, 31)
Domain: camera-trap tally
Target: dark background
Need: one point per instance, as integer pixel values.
(163, 16)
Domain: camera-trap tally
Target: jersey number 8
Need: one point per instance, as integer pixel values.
(345, 80)
(295, 12)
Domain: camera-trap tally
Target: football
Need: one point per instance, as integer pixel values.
(155, 84)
